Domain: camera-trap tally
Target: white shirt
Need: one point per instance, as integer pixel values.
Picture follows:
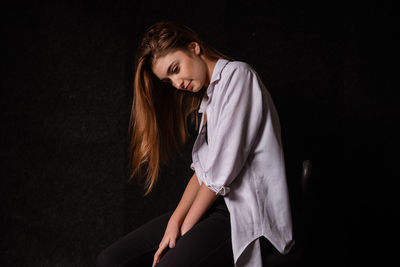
(243, 160)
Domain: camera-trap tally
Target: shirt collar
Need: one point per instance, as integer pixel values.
(216, 75)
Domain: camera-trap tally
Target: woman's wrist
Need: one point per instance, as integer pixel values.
(186, 201)
(174, 220)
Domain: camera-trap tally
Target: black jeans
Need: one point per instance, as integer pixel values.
(208, 243)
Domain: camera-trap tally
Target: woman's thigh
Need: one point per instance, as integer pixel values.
(136, 248)
(208, 243)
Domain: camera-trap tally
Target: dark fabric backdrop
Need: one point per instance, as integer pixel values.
(66, 96)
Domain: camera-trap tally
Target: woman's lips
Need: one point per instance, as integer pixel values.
(187, 86)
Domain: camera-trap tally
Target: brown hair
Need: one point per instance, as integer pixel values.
(158, 121)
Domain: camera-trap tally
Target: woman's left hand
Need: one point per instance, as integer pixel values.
(184, 229)
(169, 240)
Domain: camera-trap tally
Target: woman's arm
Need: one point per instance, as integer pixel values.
(172, 231)
(204, 199)
(186, 201)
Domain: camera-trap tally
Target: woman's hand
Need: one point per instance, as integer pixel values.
(171, 234)
(184, 228)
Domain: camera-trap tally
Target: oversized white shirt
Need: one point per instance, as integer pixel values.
(243, 160)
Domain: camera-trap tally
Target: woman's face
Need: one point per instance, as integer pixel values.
(185, 70)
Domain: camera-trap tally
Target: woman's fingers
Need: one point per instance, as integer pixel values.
(172, 242)
(169, 240)
(160, 250)
(157, 255)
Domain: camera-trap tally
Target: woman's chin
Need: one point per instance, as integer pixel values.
(197, 89)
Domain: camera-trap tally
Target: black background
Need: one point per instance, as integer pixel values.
(66, 96)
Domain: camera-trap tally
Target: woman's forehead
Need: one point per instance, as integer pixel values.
(163, 63)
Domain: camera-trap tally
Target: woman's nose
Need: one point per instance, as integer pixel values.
(178, 83)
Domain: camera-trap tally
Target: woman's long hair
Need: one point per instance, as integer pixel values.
(159, 116)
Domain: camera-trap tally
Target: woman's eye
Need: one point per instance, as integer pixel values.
(176, 69)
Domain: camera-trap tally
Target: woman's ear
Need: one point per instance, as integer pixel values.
(195, 48)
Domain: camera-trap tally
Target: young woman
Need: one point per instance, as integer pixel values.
(238, 192)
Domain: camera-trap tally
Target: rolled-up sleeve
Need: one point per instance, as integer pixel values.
(237, 125)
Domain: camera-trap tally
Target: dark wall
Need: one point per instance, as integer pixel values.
(66, 97)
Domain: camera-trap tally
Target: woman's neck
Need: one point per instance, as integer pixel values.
(210, 67)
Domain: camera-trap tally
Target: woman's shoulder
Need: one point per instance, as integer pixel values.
(238, 67)
(235, 77)
(235, 69)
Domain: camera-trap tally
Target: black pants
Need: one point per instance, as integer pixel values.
(208, 243)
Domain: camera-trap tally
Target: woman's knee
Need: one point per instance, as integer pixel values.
(106, 260)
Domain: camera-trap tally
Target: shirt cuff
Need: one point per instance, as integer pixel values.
(219, 190)
(202, 177)
(197, 174)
